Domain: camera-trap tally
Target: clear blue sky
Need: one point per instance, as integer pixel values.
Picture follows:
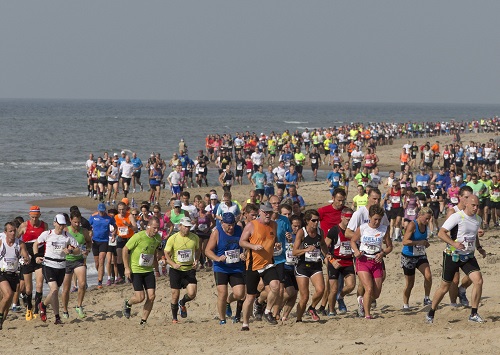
(358, 51)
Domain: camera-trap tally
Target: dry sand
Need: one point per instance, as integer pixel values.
(392, 331)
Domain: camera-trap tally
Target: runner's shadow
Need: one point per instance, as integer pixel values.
(454, 321)
(494, 319)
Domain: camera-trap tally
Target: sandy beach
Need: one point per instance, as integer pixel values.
(392, 331)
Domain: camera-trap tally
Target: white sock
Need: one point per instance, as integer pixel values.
(397, 232)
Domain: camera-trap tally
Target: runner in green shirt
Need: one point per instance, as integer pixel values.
(138, 259)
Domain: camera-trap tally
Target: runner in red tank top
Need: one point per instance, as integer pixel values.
(30, 230)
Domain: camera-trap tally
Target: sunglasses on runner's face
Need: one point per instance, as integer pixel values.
(314, 220)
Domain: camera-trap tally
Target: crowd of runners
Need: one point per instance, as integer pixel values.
(266, 251)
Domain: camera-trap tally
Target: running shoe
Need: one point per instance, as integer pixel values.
(454, 305)
(430, 320)
(81, 313)
(229, 311)
(175, 321)
(361, 310)
(368, 317)
(427, 301)
(476, 318)
(16, 308)
(126, 309)
(406, 308)
(222, 322)
(236, 319)
(108, 283)
(462, 295)
(74, 289)
(321, 310)
(313, 314)
(245, 328)
(332, 314)
(65, 315)
(270, 318)
(1, 323)
(258, 310)
(58, 321)
(99, 285)
(183, 310)
(119, 281)
(43, 312)
(374, 304)
(342, 306)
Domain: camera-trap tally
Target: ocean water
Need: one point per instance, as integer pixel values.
(45, 143)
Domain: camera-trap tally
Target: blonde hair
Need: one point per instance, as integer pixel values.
(425, 210)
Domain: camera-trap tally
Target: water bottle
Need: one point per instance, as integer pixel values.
(454, 256)
(133, 203)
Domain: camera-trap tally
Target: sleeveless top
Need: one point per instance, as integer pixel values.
(264, 235)
(229, 245)
(415, 250)
(32, 232)
(311, 257)
(395, 198)
(123, 231)
(371, 239)
(80, 239)
(9, 256)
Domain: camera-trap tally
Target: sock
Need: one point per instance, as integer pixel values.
(473, 311)
(109, 277)
(38, 299)
(488, 218)
(431, 312)
(267, 311)
(175, 310)
(127, 304)
(121, 270)
(185, 300)
(461, 289)
(321, 308)
(125, 192)
(239, 307)
(29, 301)
(143, 321)
(57, 316)
(397, 232)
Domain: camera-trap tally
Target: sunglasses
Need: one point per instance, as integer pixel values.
(134, 214)
(314, 220)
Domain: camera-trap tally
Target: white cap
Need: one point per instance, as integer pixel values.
(60, 219)
(186, 222)
(214, 197)
(123, 152)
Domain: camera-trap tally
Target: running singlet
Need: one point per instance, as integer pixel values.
(9, 256)
(80, 239)
(229, 246)
(395, 198)
(264, 235)
(371, 239)
(33, 232)
(55, 257)
(415, 250)
(122, 230)
(311, 257)
(341, 250)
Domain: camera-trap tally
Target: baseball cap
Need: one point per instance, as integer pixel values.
(115, 154)
(125, 200)
(101, 207)
(177, 203)
(186, 222)
(34, 210)
(228, 218)
(214, 197)
(123, 152)
(60, 219)
(266, 207)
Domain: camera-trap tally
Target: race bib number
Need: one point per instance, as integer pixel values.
(232, 256)
(345, 248)
(249, 171)
(290, 259)
(110, 243)
(418, 250)
(239, 167)
(454, 200)
(336, 179)
(184, 256)
(469, 243)
(201, 170)
(277, 251)
(146, 259)
(313, 161)
(395, 199)
(312, 256)
(11, 264)
(410, 212)
(371, 249)
(58, 247)
(122, 231)
(202, 226)
(446, 156)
